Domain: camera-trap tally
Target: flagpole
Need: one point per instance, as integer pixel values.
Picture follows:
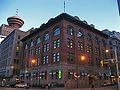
(64, 6)
(118, 2)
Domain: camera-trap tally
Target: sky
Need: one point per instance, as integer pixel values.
(102, 13)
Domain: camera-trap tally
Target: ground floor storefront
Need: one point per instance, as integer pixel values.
(63, 74)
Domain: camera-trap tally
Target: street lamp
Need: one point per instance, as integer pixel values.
(33, 61)
(82, 58)
(26, 71)
(12, 67)
(106, 50)
(117, 68)
(76, 75)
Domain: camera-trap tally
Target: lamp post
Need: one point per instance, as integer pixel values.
(109, 67)
(117, 68)
(82, 58)
(33, 62)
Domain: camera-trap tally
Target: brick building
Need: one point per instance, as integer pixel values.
(63, 49)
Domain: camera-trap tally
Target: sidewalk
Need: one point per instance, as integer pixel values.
(101, 88)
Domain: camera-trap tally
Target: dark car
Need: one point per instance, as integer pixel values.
(53, 84)
(43, 85)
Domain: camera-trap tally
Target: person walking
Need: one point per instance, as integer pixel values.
(92, 87)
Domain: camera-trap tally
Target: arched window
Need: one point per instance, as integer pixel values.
(79, 34)
(56, 31)
(31, 43)
(96, 40)
(38, 40)
(103, 42)
(46, 36)
(89, 37)
(26, 46)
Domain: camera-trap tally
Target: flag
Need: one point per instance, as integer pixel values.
(118, 1)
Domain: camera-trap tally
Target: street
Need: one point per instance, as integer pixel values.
(101, 88)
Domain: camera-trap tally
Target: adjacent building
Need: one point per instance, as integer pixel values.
(114, 44)
(64, 49)
(10, 49)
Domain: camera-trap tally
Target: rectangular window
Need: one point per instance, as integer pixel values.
(54, 57)
(70, 56)
(45, 59)
(44, 47)
(58, 57)
(70, 75)
(38, 61)
(38, 50)
(47, 47)
(58, 43)
(89, 48)
(54, 44)
(69, 43)
(69, 31)
(44, 75)
(96, 50)
(57, 74)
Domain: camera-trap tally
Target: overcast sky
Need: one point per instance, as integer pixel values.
(102, 13)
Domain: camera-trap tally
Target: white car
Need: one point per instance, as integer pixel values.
(22, 85)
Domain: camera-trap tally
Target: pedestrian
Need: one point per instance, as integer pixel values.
(92, 87)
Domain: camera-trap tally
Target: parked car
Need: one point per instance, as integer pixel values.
(22, 85)
(10, 85)
(106, 84)
(43, 85)
(53, 84)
